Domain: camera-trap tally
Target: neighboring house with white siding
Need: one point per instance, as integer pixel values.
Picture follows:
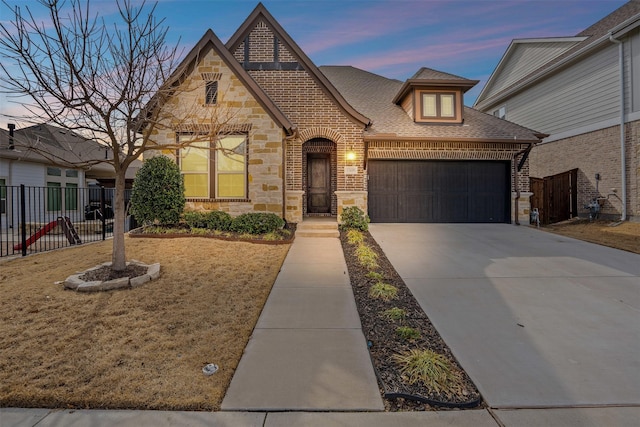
(55, 158)
(575, 90)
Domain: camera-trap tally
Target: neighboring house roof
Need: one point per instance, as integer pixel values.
(52, 145)
(260, 13)
(617, 23)
(373, 95)
(210, 41)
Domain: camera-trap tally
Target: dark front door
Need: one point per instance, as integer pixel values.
(319, 183)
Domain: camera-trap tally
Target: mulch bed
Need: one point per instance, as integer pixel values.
(286, 236)
(384, 341)
(105, 273)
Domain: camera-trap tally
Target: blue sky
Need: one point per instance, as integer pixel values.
(393, 38)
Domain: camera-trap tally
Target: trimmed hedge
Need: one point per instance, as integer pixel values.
(212, 220)
(257, 223)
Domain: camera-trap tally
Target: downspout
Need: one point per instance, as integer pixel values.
(623, 159)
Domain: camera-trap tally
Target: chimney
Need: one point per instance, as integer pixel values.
(11, 127)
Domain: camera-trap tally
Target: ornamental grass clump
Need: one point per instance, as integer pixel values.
(407, 333)
(430, 368)
(355, 237)
(395, 314)
(366, 256)
(383, 291)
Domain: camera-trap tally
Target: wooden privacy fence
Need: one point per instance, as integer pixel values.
(555, 197)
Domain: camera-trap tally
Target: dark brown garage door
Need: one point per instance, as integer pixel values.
(438, 191)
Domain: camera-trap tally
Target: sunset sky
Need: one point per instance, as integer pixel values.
(393, 38)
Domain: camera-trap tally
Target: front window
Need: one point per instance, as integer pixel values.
(194, 164)
(219, 173)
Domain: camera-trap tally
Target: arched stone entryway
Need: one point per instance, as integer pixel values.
(319, 177)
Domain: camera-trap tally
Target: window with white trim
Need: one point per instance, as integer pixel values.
(501, 112)
(62, 189)
(217, 173)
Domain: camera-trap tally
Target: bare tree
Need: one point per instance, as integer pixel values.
(106, 81)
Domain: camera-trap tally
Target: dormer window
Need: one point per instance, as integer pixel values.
(432, 96)
(438, 106)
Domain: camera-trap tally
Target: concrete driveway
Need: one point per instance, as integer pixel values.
(537, 320)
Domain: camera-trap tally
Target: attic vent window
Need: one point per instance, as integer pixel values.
(211, 94)
(210, 77)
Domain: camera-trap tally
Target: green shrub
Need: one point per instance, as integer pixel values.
(195, 219)
(158, 192)
(256, 223)
(212, 220)
(354, 218)
(218, 220)
(432, 369)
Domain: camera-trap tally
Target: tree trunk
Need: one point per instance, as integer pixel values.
(118, 257)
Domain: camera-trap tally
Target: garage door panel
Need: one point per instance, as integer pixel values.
(438, 191)
(417, 207)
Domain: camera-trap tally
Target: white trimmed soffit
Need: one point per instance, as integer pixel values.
(512, 46)
(631, 117)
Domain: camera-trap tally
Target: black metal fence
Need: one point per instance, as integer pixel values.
(37, 219)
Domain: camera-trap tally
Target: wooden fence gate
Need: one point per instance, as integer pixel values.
(555, 197)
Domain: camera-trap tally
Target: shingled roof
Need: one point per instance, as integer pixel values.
(622, 19)
(373, 96)
(52, 145)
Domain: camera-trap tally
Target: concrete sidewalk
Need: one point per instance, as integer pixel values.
(307, 351)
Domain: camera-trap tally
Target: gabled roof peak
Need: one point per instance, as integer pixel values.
(425, 73)
(428, 77)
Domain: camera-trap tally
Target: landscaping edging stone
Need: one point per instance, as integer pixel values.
(75, 283)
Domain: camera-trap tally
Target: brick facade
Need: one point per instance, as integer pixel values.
(594, 153)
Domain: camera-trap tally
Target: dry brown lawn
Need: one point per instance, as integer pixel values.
(625, 236)
(143, 348)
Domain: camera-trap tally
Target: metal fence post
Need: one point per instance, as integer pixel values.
(23, 220)
(103, 213)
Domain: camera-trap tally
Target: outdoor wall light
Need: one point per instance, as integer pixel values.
(351, 155)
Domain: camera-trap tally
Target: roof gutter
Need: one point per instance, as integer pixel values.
(623, 160)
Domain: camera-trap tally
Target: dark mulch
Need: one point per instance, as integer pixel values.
(105, 273)
(283, 236)
(385, 342)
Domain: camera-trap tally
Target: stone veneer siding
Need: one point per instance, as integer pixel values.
(236, 106)
(591, 153)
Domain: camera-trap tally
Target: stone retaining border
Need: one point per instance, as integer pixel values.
(75, 283)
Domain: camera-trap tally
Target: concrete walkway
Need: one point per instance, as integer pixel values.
(307, 351)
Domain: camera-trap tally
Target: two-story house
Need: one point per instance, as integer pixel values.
(584, 91)
(300, 140)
